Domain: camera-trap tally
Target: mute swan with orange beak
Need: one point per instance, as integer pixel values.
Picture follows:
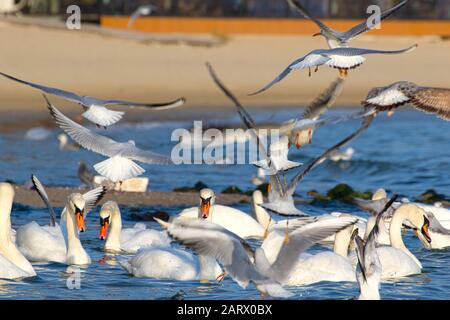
(47, 243)
(231, 219)
(396, 260)
(128, 240)
(13, 265)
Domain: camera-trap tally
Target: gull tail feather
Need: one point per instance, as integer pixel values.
(102, 116)
(118, 169)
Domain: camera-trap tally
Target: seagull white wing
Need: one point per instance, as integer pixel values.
(157, 106)
(303, 238)
(312, 59)
(247, 120)
(325, 100)
(43, 194)
(83, 136)
(57, 92)
(101, 144)
(93, 197)
(215, 241)
(312, 164)
(363, 26)
(371, 206)
(302, 10)
(435, 225)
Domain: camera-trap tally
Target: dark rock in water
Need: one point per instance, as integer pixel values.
(178, 296)
(162, 215)
(232, 190)
(317, 196)
(340, 192)
(431, 196)
(264, 188)
(197, 187)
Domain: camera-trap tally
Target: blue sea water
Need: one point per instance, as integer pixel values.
(406, 154)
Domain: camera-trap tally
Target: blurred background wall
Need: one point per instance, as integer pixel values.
(348, 9)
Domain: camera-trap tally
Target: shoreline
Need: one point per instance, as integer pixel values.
(58, 197)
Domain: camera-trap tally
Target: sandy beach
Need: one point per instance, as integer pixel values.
(92, 63)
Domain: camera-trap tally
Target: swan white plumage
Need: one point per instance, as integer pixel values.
(244, 264)
(231, 219)
(173, 264)
(128, 240)
(396, 260)
(13, 265)
(52, 244)
(323, 266)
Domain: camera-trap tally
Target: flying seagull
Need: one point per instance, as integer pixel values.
(342, 59)
(281, 195)
(368, 270)
(336, 39)
(120, 164)
(95, 109)
(426, 99)
(244, 264)
(320, 105)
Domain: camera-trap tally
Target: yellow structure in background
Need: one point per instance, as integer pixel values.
(271, 26)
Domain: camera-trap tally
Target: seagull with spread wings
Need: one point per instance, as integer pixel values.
(281, 195)
(300, 137)
(244, 264)
(425, 99)
(342, 59)
(95, 109)
(336, 39)
(120, 164)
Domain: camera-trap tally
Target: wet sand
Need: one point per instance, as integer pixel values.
(58, 197)
(116, 66)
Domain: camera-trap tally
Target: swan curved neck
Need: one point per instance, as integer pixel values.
(261, 215)
(113, 240)
(8, 248)
(342, 241)
(395, 229)
(73, 239)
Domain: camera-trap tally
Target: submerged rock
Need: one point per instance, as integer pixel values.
(341, 192)
(150, 216)
(196, 188)
(431, 196)
(232, 190)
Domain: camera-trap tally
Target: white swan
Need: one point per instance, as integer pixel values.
(130, 239)
(396, 260)
(47, 243)
(323, 266)
(238, 258)
(232, 219)
(173, 264)
(13, 265)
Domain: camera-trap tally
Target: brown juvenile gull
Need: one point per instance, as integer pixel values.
(426, 99)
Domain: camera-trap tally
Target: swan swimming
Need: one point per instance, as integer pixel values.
(232, 219)
(128, 240)
(48, 243)
(13, 264)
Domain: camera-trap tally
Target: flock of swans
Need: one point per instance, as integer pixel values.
(366, 251)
